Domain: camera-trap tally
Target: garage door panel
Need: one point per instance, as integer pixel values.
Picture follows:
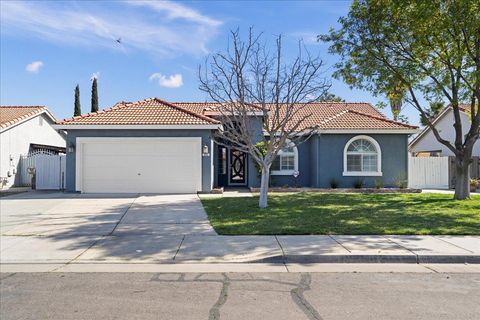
(142, 166)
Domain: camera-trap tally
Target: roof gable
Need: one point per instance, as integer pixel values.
(344, 116)
(462, 107)
(351, 119)
(150, 111)
(11, 115)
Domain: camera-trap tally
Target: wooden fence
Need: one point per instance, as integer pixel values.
(436, 172)
(428, 172)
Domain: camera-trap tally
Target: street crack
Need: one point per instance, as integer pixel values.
(215, 310)
(300, 300)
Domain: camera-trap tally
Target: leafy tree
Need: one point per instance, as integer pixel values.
(94, 95)
(430, 49)
(432, 112)
(77, 111)
(396, 96)
(330, 97)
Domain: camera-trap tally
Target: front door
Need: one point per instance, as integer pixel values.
(237, 170)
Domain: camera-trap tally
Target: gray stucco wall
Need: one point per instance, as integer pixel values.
(321, 160)
(304, 167)
(204, 134)
(329, 159)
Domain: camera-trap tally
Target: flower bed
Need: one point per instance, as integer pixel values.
(341, 190)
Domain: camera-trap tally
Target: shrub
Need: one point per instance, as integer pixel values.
(333, 183)
(358, 183)
(401, 181)
(474, 183)
(378, 183)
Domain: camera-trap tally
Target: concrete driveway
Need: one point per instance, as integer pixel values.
(60, 228)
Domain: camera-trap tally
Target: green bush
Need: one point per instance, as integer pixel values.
(358, 183)
(378, 183)
(401, 181)
(333, 183)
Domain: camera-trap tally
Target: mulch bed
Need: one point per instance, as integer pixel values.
(342, 190)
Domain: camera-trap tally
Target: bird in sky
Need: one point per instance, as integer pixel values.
(119, 40)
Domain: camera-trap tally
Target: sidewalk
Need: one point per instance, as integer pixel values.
(131, 248)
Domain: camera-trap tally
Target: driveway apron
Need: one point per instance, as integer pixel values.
(70, 228)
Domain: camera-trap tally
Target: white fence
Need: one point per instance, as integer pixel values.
(428, 172)
(49, 171)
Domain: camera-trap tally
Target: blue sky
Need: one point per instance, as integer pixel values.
(47, 47)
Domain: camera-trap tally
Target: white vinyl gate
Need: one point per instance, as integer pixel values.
(428, 172)
(49, 170)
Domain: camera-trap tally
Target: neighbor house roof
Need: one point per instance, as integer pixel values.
(462, 107)
(11, 115)
(152, 111)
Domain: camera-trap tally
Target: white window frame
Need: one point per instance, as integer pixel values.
(363, 173)
(295, 162)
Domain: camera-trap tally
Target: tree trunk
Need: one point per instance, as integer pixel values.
(263, 201)
(462, 178)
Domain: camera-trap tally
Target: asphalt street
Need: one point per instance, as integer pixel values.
(239, 296)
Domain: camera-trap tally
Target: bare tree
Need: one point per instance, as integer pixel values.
(253, 85)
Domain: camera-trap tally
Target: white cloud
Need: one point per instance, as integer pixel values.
(161, 29)
(176, 11)
(34, 67)
(95, 75)
(172, 81)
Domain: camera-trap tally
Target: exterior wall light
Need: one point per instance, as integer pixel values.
(205, 150)
(71, 148)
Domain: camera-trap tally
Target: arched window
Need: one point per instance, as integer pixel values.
(362, 157)
(286, 161)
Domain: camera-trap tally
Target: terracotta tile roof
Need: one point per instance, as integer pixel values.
(153, 111)
(320, 109)
(10, 115)
(211, 108)
(351, 119)
(150, 111)
(197, 107)
(341, 115)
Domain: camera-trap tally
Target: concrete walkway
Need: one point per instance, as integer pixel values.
(445, 191)
(55, 229)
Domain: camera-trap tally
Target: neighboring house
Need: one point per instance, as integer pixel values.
(426, 145)
(24, 129)
(153, 146)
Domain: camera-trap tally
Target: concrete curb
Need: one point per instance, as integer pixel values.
(362, 258)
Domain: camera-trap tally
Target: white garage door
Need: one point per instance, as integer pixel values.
(139, 165)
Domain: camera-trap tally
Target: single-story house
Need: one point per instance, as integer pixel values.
(154, 146)
(426, 145)
(23, 130)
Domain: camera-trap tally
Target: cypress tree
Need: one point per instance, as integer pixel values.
(94, 96)
(77, 111)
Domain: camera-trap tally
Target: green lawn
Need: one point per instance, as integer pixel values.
(345, 213)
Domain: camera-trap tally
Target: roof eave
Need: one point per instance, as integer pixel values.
(368, 131)
(135, 126)
(357, 131)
